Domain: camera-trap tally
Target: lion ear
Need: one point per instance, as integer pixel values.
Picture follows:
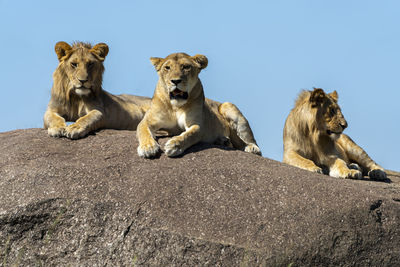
(201, 60)
(317, 96)
(100, 50)
(334, 95)
(62, 49)
(157, 62)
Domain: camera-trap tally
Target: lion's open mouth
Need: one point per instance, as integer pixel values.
(178, 94)
(329, 132)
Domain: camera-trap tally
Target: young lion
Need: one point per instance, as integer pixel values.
(77, 95)
(313, 139)
(179, 107)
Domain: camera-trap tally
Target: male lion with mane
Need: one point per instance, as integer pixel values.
(77, 95)
(313, 139)
(180, 108)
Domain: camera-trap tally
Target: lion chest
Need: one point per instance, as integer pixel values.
(181, 119)
(73, 111)
(185, 118)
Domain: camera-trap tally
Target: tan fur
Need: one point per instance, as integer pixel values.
(313, 139)
(77, 95)
(192, 119)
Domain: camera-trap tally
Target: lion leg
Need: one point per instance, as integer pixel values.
(240, 127)
(356, 154)
(84, 125)
(339, 169)
(293, 158)
(148, 146)
(178, 144)
(54, 123)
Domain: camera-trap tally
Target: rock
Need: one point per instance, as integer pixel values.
(94, 202)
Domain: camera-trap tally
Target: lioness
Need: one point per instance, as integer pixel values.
(179, 107)
(313, 139)
(77, 95)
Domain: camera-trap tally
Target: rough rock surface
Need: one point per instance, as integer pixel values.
(94, 202)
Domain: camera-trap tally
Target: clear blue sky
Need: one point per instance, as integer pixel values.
(261, 54)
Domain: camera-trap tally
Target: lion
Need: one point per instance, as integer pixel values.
(179, 107)
(313, 139)
(77, 95)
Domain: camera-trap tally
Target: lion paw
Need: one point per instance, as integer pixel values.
(316, 169)
(75, 131)
(346, 174)
(253, 148)
(173, 148)
(355, 174)
(148, 150)
(377, 174)
(56, 131)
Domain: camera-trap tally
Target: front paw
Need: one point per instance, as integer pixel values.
(354, 174)
(149, 149)
(316, 169)
(377, 174)
(253, 148)
(173, 147)
(56, 131)
(346, 173)
(74, 131)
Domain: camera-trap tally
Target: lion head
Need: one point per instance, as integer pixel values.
(80, 70)
(329, 117)
(179, 74)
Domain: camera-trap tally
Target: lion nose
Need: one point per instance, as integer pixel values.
(344, 125)
(82, 81)
(176, 82)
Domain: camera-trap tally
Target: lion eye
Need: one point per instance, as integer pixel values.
(74, 65)
(167, 67)
(333, 112)
(90, 64)
(186, 67)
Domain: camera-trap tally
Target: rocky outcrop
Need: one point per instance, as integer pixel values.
(94, 202)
